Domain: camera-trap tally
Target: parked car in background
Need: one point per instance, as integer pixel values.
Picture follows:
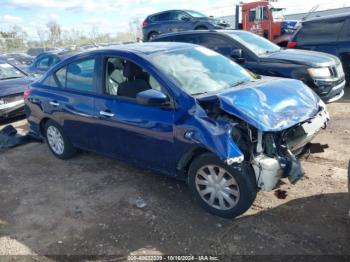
(182, 110)
(38, 50)
(178, 20)
(320, 71)
(19, 58)
(45, 61)
(13, 83)
(329, 34)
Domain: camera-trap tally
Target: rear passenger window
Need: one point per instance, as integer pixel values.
(217, 44)
(160, 17)
(319, 32)
(50, 81)
(61, 76)
(78, 75)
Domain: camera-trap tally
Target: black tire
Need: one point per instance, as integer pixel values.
(152, 35)
(243, 176)
(201, 28)
(68, 150)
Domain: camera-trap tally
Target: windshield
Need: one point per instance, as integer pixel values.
(277, 14)
(8, 72)
(199, 70)
(195, 13)
(257, 44)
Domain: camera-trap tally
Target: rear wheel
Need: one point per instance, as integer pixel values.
(58, 143)
(222, 190)
(152, 35)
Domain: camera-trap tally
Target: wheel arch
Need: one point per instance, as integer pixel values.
(204, 27)
(187, 158)
(152, 32)
(42, 125)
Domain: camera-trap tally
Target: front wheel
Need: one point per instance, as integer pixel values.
(58, 143)
(222, 190)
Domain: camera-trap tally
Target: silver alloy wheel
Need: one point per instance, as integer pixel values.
(217, 187)
(55, 140)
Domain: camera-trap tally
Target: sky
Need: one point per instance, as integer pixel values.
(113, 16)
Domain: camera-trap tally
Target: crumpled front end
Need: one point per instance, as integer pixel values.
(270, 126)
(273, 154)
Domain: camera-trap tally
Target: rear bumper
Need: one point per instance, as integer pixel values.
(12, 109)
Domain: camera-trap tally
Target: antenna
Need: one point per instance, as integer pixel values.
(313, 9)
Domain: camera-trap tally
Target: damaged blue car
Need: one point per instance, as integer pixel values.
(181, 110)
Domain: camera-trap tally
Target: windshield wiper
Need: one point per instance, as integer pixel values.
(270, 52)
(239, 83)
(197, 94)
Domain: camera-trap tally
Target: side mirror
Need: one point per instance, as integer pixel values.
(185, 18)
(151, 97)
(237, 55)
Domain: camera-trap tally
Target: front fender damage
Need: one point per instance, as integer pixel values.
(212, 134)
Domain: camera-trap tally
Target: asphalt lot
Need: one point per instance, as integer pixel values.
(87, 206)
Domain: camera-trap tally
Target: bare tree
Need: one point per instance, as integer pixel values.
(54, 32)
(42, 35)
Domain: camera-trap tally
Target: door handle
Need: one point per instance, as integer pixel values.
(54, 103)
(106, 113)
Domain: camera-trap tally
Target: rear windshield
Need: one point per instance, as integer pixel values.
(7, 71)
(319, 32)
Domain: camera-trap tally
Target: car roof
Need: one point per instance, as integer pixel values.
(327, 17)
(190, 32)
(140, 48)
(171, 10)
(60, 54)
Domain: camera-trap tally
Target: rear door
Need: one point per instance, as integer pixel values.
(71, 102)
(179, 21)
(162, 22)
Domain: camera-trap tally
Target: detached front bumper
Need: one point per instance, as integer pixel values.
(12, 109)
(270, 169)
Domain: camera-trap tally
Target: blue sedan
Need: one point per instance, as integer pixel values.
(44, 61)
(181, 110)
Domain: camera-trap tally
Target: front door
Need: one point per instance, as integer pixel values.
(140, 134)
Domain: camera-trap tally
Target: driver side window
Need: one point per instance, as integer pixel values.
(125, 78)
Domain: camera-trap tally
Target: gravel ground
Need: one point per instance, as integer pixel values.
(87, 206)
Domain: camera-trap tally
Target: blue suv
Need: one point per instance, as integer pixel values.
(178, 20)
(181, 110)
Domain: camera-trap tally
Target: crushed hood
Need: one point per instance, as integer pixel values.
(271, 104)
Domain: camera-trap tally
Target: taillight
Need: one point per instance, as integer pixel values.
(292, 44)
(145, 23)
(27, 93)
